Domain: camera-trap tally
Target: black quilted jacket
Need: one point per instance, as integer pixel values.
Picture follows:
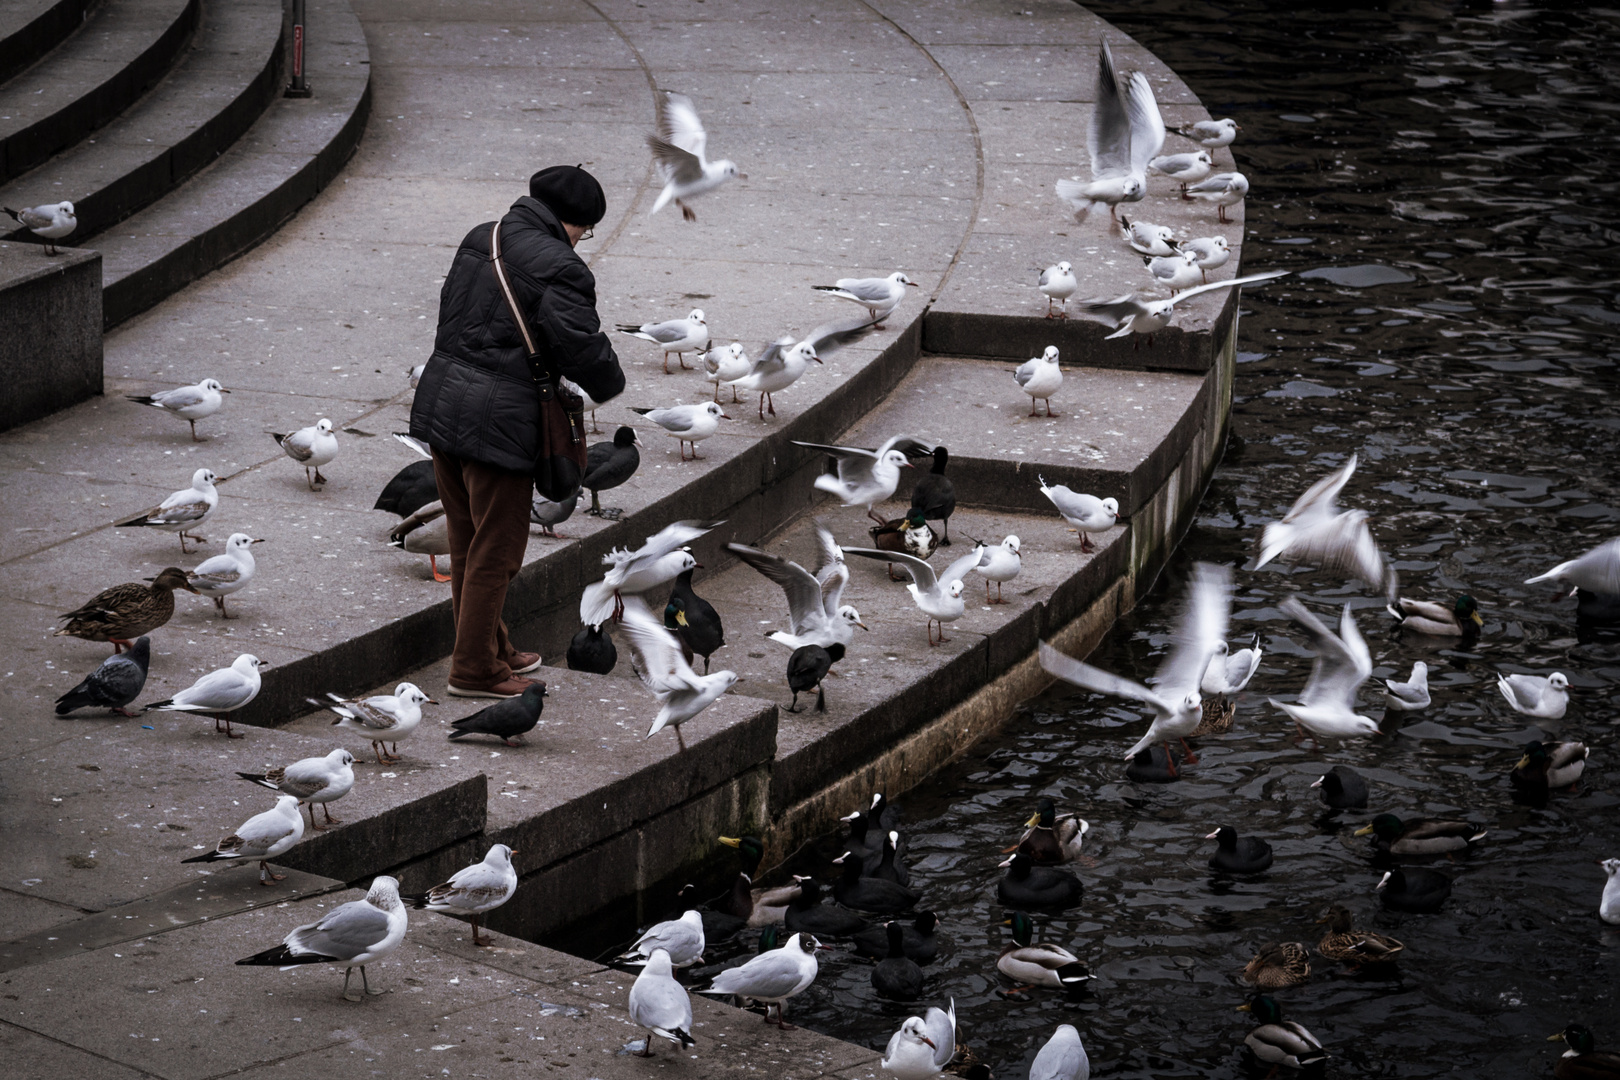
(476, 398)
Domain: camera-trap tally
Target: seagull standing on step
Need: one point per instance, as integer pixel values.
(687, 423)
(1212, 133)
(52, 221)
(867, 477)
(1126, 132)
(1087, 513)
(1000, 564)
(1040, 378)
(1132, 314)
(660, 1004)
(1183, 168)
(1211, 252)
(182, 511)
(263, 837)
(1222, 189)
(681, 692)
(312, 780)
(382, 718)
(473, 891)
(1327, 706)
(219, 693)
(1057, 282)
(1145, 238)
(1174, 272)
(679, 152)
(358, 933)
(678, 336)
(938, 597)
(772, 977)
(878, 295)
(225, 574)
(190, 403)
(725, 365)
(311, 447)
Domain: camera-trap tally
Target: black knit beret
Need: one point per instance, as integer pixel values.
(572, 194)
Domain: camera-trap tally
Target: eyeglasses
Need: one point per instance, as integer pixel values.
(587, 234)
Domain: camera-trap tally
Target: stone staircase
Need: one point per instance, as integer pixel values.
(163, 121)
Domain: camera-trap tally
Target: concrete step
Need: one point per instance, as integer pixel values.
(282, 162)
(31, 28)
(221, 85)
(123, 49)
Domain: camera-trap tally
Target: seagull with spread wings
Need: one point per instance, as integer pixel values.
(867, 477)
(1327, 707)
(678, 151)
(1316, 530)
(1126, 133)
(780, 363)
(815, 614)
(939, 597)
(681, 692)
(662, 559)
(1132, 314)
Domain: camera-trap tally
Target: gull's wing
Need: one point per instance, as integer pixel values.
(854, 463)
(908, 446)
(180, 397)
(188, 505)
(663, 669)
(1073, 671)
(1527, 689)
(679, 125)
(769, 360)
(1341, 665)
(873, 289)
(1025, 372)
(920, 572)
(1199, 290)
(1045, 276)
(674, 420)
(770, 975)
(941, 1027)
(804, 594)
(1147, 126)
(667, 540)
(666, 332)
(1109, 136)
(220, 570)
(263, 831)
(415, 444)
(831, 572)
(300, 444)
(1319, 499)
(1201, 628)
(37, 217)
(1596, 571)
(218, 690)
(306, 777)
(676, 164)
(831, 334)
(1120, 308)
(960, 568)
(1343, 543)
(351, 930)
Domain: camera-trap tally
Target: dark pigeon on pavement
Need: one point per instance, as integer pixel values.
(506, 720)
(117, 682)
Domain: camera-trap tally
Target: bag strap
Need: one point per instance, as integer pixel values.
(536, 368)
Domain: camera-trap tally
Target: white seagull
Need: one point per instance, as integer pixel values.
(190, 403)
(1132, 314)
(1000, 564)
(1212, 252)
(782, 362)
(311, 447)
(358, 933)
(473, 890)
(263, 837)
(1327, 707)
(1175, 272)
(681, 692)
(1177, 708)
(815, 614)
(311, 780)
(1040, 378)
(725, 365)
(681, 940)
(182, 511)
(1057, 282)
(1145, 238)
(867, 477)
(51, 221)
(688, 423)
(679, 151)
(222, 575)
(1087, 513)
(219, 693)
(923, 1046)
(1228, 671)
(878, 295)
(660, 1004)
(1543, 697)
(1184, 168)
(939, 598)
(382, 718)
(1212, 133)
(678, 336)
(772, 977)
(1609, 906)
(1411, 695)
(657, 562)
(1062, 1058)
(1316, 530)
(1222, 189)
(1598, 571)
(1126, 132)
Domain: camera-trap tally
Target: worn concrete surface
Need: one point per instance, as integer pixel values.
(45, 372)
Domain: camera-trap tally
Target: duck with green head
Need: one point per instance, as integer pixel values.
(1392, 836)
(1549, 765)
(1581, 1061)
(1050, 840)
(766, 907)
(909, 535)
(1462, 619)
(1029, 964)
(1280, 1043)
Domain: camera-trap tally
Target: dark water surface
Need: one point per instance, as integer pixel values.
(1473, 149)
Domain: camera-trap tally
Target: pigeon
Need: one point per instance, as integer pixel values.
(182, 511)
(678, 336)
(51, 221)
(1057, 282)
(474, 890)
(548, 515)
(116, 683)
(354, 935)
(263, 837)
(687, 423)
(679, 152)
(878, 295)
(1411, 695)
(1211, 133)
(1040, 378)
(1222, 189)
(660, 1004)
(1087, 513)
(681, 692)
(505, 720)
(225, 574)
(867, 477)
(1131, 314)
(189, 403)
(1315, 530)
(1327, 707)
(1125, 133)
(311, 447)
(219, 693)
(312, 780)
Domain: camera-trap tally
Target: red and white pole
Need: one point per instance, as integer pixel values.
(299, 88)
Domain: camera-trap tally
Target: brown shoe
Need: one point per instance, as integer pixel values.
(523, 662)
(511, 688)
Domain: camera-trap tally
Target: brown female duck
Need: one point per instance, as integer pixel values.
(1358, 947)
(1278, 964)
(125, 612)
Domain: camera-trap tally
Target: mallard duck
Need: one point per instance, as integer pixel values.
(1238, 854)
(124, 612)
(424, 532)
(1278, 964)
(766, 907)
(1418, 891)
(1218, 714)
(935, 495)
(1360, 947)
(909, 535)
(1392, 836)
(1278, 1042)
(1027, 885)
(1556, 766)
(1581, 1061)
(1050, 840)
(1342, 788)
(1436, 620)
(1028, 964)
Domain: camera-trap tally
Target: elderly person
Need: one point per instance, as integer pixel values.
(478, 404)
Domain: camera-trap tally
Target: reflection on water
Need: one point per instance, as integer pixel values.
(1452, 169)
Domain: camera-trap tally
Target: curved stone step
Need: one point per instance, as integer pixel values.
(220, 86)
(124, 48)
(286, 158)
(31, 28)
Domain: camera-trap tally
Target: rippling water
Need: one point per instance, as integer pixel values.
(1471, 148)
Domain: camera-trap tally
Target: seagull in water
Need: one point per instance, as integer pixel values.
(1316, 530)
(354, 935)
(878, 295)
(1126, 132)
(1228, 672)
(867, 477)
(189, 403)
(1411, 695)
(1327, 707)
(679, 153)
(681, 692)
(1062, 1058)
(1543, 697)
(52, 221)
(1177, 708)
(678, 336)
(815, 616)
(1132, 314)
(1057, 282)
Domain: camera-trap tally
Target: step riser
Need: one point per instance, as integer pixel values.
(21, 49)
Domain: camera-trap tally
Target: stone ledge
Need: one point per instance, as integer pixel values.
(50, 331)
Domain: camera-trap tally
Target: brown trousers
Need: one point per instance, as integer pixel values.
(486, 513)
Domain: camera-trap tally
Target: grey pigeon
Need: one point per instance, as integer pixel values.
(507, 719)
(117, 682)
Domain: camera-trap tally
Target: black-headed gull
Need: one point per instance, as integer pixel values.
(1057, 282)
(1222, 189)
(1316, 530)
(311, 780)
(658, 561)
(1000, 564)
(1087, 513)
(1174, 272)
(1211, 133)
(878, 295)
(816, 615)
(1211, 252)
(219, 693)
(867, 477)
(382, 718)
(263, 837)
(1132, 314)
(1062, 1058)
(355, 934)
(1040, 378)
(190, 403)
(182, 511)
(1598, 571)
(725, 365)
(937, 596)
(1125, 133)
(1327, 706)
(225, 574)
(681, 939)
(1411, 695)
(1544, 697)
(1146, 238)
(772, 977)
(311, 447)
(681, 693)
(680, 153)
(1228, 671)
(923, 1046)
(678, 336)
(687, 423)
(660, 1004)
(51, 221)
(474, 890)
(1183, 168)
